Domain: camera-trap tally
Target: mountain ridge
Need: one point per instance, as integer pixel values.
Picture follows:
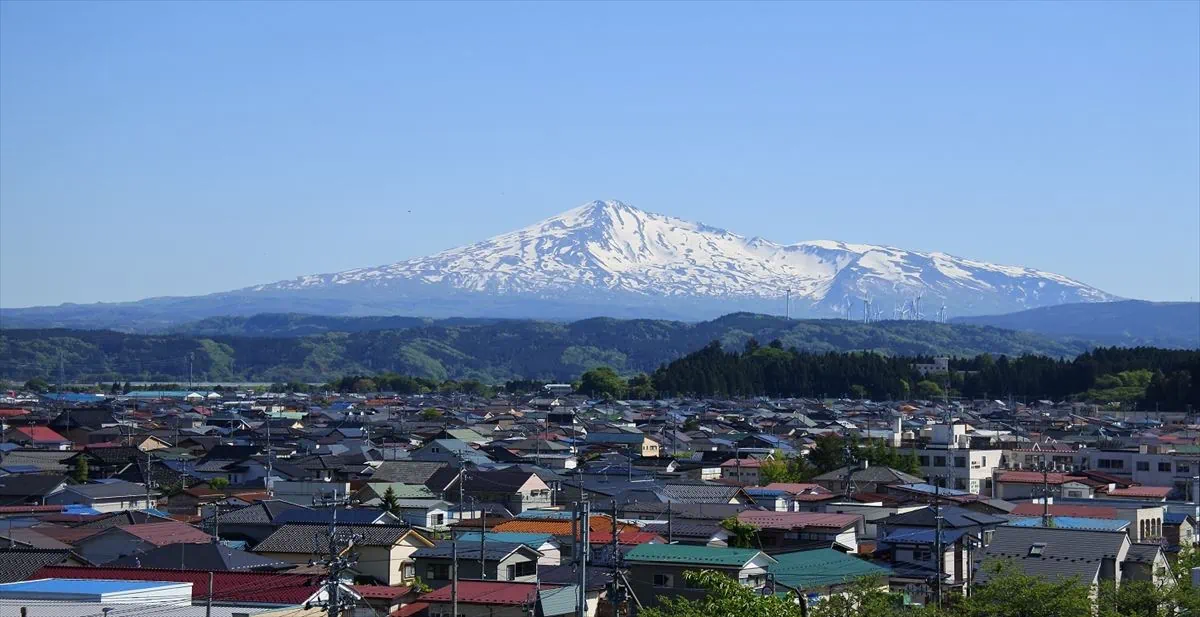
(490, 352)
(609, 258)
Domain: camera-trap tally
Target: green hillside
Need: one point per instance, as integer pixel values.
(490, 351)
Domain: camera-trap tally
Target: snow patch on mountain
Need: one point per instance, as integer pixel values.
(609, 246)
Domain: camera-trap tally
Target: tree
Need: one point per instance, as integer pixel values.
(115, 388)
(601, 382)
(929, 390)
(1010, 592)
(80, 473)
(218, 484)
(363, 386)
(789, 469)
(742, 535)
(641, 388)
(389, 502)
(430, 413)
(910, 463)
(858, 391)
(37, 384)
(829, 453)
(726, 596)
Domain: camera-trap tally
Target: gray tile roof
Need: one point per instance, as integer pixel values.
(314, 538)
(261, 512)
(406, 472)
(213, 556)
(1143, 552)
(493, 551)
(698, 493)
(875, 475)
(18, 564)
(1067, 553)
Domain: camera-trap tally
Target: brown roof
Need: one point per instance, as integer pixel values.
(162, 534)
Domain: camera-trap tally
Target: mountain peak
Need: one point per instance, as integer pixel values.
(607, 252)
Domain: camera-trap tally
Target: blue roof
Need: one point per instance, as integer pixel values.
(921, 535)
(532, 540)
(545, 515)
(766, 492)
(929, 488)
(74, 397)
(1175, 518)
(78, 586)
(1074, 522)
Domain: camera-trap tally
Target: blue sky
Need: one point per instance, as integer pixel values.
(154, 149)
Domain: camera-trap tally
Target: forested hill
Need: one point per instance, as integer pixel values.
(490, 352)
(1148, 376)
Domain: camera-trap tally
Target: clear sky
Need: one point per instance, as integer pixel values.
(155, 148)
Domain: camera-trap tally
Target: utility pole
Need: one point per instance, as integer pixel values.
(270, 462)
(670, 530)
(937, 543)
(585, 539)
(208, 599)
(336, 562)
(149, 478)
(616, 559)
(483, 543)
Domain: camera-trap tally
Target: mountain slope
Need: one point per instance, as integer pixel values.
(1128, 323)
(608, 258)
(490, 352)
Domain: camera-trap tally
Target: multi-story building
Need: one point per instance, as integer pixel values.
(949, 454)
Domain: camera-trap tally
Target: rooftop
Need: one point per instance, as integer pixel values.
(696, 555)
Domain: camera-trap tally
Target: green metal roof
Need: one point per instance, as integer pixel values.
(821, 568)
(699, 555)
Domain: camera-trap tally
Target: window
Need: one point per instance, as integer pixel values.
(1182, 468)
(408, 570)
(755, 580)
(987, 536)
(525, 568)
(1164, 467)
(439, 519)
(437, 572)
(1110, 463)
(983, 461)
(939, 461)
(663, 580)
(924, 460)
(1037, 549)
(960, 461)
(1143, 465)
(922, 554)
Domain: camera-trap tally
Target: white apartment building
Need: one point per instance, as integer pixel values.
(950, 454)
(1153, 465)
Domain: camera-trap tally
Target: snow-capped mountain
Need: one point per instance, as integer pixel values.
(613, 258)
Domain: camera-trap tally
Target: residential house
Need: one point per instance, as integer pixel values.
(1179, 530)
(30, 488)
(41, 437)
(865, 478)
(108, 496)
(116, 542)
(502, 561)
(384, 551)
(656, 570)
(794, 530)
(1054, 554)
(503, 599)
(742, 470)
(821, 572)
(543, 543)
(516, 490)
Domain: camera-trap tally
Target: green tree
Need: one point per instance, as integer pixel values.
(430, 413)
(741, 535)
(1009, 592)
(789, 469)
(910, 463)
(37, 384)
(389, 502)
(858, 391)
(218, 484)
(725, 597)
(362, 386)
(80, 473)
(828, 454)
(927, 389)
(641, 388)
(603, 382)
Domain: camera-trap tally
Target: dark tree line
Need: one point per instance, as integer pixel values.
(774, 371)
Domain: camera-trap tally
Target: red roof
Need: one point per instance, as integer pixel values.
(488, 592)
(40, 433)
(410, 610)
(1035, 509)
(380, 592)
(797, 520)
(12, 413)
(1035, 477)
(228, 586)
(29, 509)
(171, 532)
(1158, 492)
